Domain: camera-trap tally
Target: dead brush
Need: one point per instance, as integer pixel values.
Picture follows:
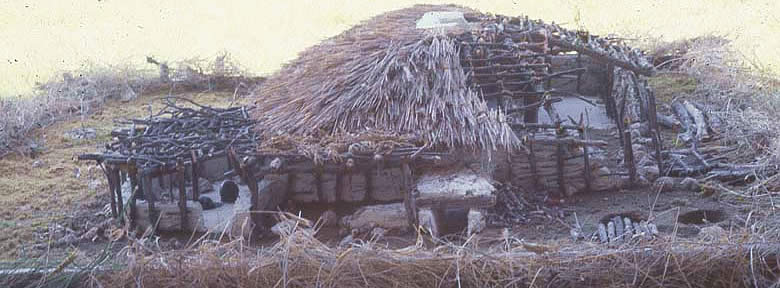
(79, 93)
(741, 100)
(298, 259)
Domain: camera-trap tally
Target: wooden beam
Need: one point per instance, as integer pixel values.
(603, 57)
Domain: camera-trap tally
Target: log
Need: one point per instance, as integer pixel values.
(602, 57)
(686, 122)
(699, 121)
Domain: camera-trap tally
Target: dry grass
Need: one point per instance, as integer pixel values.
(300, 260)
(80, 93)
(742, 99)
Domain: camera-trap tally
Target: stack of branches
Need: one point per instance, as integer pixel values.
(730, 113)
(178, 131)
(300, 260)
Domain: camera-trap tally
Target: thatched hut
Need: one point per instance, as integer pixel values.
(454, 80)
(420, 110)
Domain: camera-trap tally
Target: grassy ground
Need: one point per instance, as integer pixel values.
(56, 188)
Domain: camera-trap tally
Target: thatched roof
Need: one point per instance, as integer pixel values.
(382, 76)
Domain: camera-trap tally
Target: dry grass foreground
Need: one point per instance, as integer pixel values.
(300, 260)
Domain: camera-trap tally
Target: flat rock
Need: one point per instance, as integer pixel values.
(464, 182)
(391, 217)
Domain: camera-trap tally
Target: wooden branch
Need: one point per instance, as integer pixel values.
(603, 57)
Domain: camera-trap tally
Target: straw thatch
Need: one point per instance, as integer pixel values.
(383, 76)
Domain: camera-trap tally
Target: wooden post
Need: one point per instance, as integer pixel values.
(112, 183)
(610, 98)
(623, 121)
(586, 157)
(653, 117)
(629, 157)
(532, 112)
(133, 190)
(182, 193)
(195, 176)
(251, 182)
(409, 198)
(579, 75)
(548, 59)
(118, 193)
(150, 198)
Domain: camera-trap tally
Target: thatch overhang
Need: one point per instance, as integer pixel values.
(383, 77)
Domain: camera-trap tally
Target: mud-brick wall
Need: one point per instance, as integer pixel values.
(516, 168)
(374, 185)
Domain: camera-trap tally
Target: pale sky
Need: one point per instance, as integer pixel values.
(42, 38)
